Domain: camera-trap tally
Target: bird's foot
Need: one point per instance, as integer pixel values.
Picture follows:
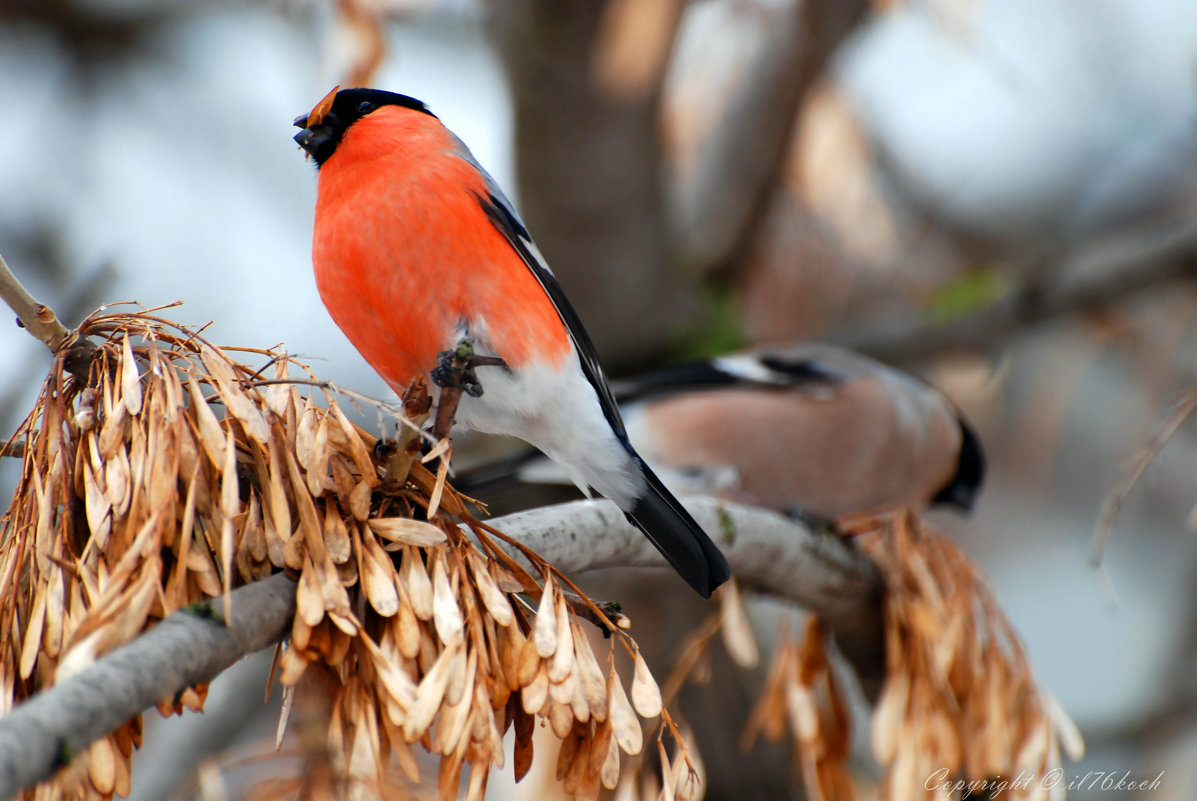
(456, 368)
(455, 375)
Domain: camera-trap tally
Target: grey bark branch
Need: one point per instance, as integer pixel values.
(767, 552)
(184, 649)
(42, 323)
(38, 320)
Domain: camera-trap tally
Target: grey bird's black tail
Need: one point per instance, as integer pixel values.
(677, 536)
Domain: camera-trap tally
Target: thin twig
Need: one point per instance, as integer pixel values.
(1183, 410)
(39, 320)
(42, 323)
(14, 448)
(608, 617)
(446, 411)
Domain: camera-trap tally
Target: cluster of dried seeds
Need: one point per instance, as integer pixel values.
(958, 695)
(180, 473)
(802, 693)
(681, 777)
(959, 692)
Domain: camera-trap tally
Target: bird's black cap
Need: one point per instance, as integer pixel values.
(325, 124)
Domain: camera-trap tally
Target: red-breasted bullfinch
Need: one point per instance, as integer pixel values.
(812, 429)
(416, 249)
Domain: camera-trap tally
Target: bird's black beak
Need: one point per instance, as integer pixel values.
(319, 141)
(319, 135)
(310, 139)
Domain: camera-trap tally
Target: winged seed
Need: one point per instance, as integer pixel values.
(646, 696)
(545, 630)
(406, 531)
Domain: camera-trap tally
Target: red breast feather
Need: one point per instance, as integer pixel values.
(404, 253)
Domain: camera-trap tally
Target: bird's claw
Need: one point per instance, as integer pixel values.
(455, 368)
(448, 374)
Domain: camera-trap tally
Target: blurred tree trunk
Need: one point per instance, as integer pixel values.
(630, 243)
(589, 170)
(718, 207)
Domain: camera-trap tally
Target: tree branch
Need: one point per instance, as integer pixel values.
(39, 735)
(767, 552)
(41, 322)
(1103, 275)
(38, 320)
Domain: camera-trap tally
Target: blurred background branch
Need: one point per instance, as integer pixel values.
(1098, 278)
(589, 164)
(718, 203)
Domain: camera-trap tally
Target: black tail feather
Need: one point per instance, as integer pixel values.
(677, 536)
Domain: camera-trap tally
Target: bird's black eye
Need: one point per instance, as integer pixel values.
(365, 107)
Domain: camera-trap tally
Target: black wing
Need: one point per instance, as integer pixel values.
(752, 371)
(504, 218)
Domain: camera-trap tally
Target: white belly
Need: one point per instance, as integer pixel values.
(558, 412)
